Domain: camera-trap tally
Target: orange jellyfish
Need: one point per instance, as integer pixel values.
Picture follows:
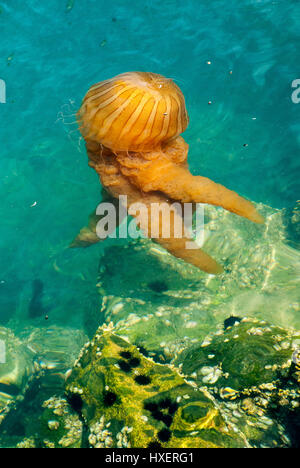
(131, 125)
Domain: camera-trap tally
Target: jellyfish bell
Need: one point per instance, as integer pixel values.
(135, 111)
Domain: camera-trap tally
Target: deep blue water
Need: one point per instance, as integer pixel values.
(51, 52)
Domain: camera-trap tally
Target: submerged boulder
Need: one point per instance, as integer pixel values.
(239, 387)
(32, 370)
(252, 368)
(53, 424)
(60, 426)
(128, 400)
(247, 354)
(16, 370)
(152, 297)
(55, 350)
(291, 218)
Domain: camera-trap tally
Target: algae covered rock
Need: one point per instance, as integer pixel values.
(32, 371)
(252, 369)
(127, 400)
(244, 355)
(60, 426)
(50, 424)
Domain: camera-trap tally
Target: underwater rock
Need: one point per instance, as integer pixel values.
(61, 426)
(26, 443)
(161, 306)
(292, 223)
(52, 424)
(16, 370)
(50, 353)
(36, 363)
(262, 280)
(172, 307)
(55, 349)
(250, 366)
(127, 400)
(248, 354)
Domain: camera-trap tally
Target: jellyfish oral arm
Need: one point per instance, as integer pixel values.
(181, 247)
(178, 183)
(198, 258)
(117, 184)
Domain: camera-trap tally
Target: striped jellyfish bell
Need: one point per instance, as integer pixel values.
(134, 111)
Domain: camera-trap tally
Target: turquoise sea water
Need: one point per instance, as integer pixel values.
(248, 138)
